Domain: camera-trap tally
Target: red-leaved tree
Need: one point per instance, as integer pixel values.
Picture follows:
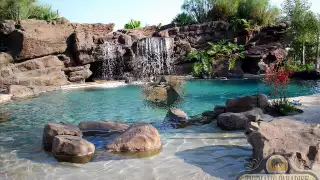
(278, 78)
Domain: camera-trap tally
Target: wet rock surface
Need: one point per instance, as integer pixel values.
(238, 121)
(247, 103)
(139, 137)
(103, 126)
(73, 149)
(54, 129)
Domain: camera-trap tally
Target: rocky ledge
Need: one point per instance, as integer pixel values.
(299, 142)
(45, 55)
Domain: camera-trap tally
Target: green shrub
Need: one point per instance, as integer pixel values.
(184, 19)
(226, 51)
(240, 24)
(202, 66)
(294, 66)
(284, 106)
(133, 24)
(25, 9)
(219, 52)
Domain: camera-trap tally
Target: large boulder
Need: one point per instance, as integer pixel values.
(138, 138)
(103, 126)
(177, 115)
(78, 74)
(73, 149)
(45, 71)
(238, 121)
(37, 38)
(247, 103)
(54, 129)
(87, 38)
(165, 95)
(297, 141)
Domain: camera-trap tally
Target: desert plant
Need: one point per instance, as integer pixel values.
(184, 19)
(133, 24)
(44, 12)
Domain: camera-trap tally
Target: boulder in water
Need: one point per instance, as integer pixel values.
(72, 149)
(247, 103)
(297, 141)
(220, 109)
(164, 95)
(140, 137)
(177, 115)
(238, 121)
(54, 129)
(103, 126)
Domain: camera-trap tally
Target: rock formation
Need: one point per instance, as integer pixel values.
(103, 126)
(55, 53)
(54, 129)
(299, 142)
(72, 149)
(138, 138)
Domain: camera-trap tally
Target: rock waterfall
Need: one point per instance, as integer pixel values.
(153, 56)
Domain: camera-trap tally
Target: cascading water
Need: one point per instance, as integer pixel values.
(153, 56)
(111, 58)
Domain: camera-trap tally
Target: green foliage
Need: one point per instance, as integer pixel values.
(25, 9)
(305, 27)
(133, 24)
(294, 66)
(198, 9)
(240, 24)
(184, 19)
(226, 50)
(202, 66)
(284, 106)
(44, 12)
(260, 12)
(219, 52)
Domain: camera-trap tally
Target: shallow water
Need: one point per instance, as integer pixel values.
(197, 152)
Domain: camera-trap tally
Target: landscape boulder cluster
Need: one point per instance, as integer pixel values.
(67, 143)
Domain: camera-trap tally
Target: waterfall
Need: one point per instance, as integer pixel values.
(153, 56)
(111, 57)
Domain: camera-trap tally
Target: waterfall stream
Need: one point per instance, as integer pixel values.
(153, 56)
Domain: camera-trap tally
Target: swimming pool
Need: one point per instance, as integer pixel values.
(196, 152)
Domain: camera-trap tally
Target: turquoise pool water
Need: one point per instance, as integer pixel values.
(202, 152)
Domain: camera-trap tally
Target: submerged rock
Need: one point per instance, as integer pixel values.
(103, 126)
(238, 121)
(177, 115)
(72, 149)
(247, 103)
(298, 141)
(139, 137)
(54, 129)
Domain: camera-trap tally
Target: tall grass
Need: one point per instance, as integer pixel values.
(25, 9)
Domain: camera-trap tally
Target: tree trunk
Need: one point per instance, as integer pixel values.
(303, 52)
(317, 58)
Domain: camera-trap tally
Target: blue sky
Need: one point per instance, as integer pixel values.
(150, 12)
